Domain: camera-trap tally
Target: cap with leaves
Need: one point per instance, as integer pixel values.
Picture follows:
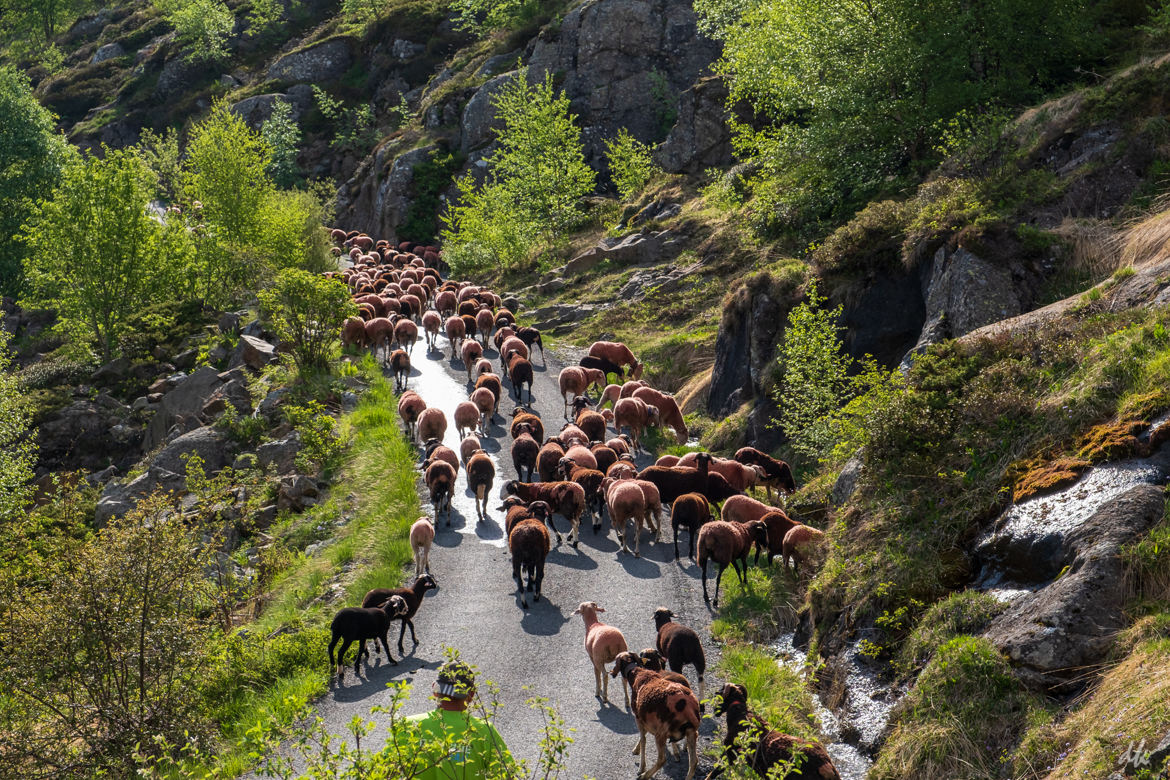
(456, 680)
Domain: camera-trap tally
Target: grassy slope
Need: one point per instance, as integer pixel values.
(277, 663)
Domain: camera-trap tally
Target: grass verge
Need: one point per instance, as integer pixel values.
(269, 668)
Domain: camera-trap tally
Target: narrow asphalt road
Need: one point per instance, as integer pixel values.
(539, 651)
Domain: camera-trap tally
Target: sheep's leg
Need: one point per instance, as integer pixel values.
(604, 684)
(401, 635)
(660, 743)
(389, 657)
(357, 662)
(519, 581)
(597, 674)
(703, 569)
(692, 753)
(718, 577)
(639, 749)
(341, 658)
(638, 537)
(539, 579)
(675, 540)
(333, 644)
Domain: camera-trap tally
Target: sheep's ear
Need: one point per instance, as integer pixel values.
(600, 609)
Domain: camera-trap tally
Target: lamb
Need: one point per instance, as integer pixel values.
(634, 414)
(618, 353)
(531, 336)
(440, 479)
(471, 352)
(742, 509)
(525, 452)
(627, 502)
(435, 450)
(602, 645)
(590, 480)
(728, 544)
(405, 335)
(522, 416)
(797, 539)
(357, 624)
(379, 332)
(413, 596)
(456, 331)
(467, 418)
(547, 460)
(468, 447)
(422, 534)
(400, 365)
(520, 374)
(665, 709)
(604, 366)
(481, 471)
(432, 423)
(668, 410)
(680, 646)
(691, 511)
(565, 498)
(529, 544)
(485, 401)
(573, 382)
(766, 748)
(776, 472)
(410, 408)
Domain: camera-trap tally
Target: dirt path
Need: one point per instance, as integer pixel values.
(538, 652)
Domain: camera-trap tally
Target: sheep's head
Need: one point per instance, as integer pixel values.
(652, 415)
(651, 659)
(395, 606)
(511, 487)
(662, 616)
(732, 693)
(623, 661)
(758, 532)
(588, 610)
(540, 510)
(425, 583)
(510, 502)
(636, 371)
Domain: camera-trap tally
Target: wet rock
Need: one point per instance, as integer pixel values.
(964, 292)
(108, 52)
(1053, 634)
(700, 138)
(323, 62)
(280, 454)
(185, 400)
(253, 353)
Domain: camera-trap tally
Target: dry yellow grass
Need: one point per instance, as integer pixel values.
(1147, 241)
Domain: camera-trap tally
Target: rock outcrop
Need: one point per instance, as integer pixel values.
(700, 138)
(322, 62)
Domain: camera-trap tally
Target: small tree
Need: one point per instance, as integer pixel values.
(104, 652)
(306, 311)
(32, 154)
(17, 447)
(283, 136)
(95, 246)
(630, 165)
(202, 27)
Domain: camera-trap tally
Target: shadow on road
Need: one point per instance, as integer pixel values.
(573, 559)
(614, 715)
(543, 618)
(638, 567)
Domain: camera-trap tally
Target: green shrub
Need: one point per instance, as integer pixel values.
(283, 136)
(202, 27)
(483, 17)
(630, 165)
(429, 179)
(353, 126)
(321, 442)
(306, 311)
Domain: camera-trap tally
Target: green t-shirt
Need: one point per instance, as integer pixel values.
(473, 745)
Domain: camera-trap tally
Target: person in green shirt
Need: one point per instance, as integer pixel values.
(453, 743)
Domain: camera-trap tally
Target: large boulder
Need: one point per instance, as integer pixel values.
(1053, 634)
(323, 62)
(185, 400)
(256, 110)
(88, 434)
(634, 249)
(479, 116)
(701, 137)
(252, 352)
(206, 442)
(280, 454)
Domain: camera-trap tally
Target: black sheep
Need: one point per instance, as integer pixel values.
(357, 624)
(531, 336)
(519, 374)
(412, 596)
(605, 366)
(680, 646)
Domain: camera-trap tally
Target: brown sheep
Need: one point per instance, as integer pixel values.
(629, 387)
(797, 539)
(353, 332)
(610, 395)
(445, 302)
(605, 456)
(529, 544)
(467, 418)
(742, 509)
(617, 353)
(520, 374)
(484, 322)
(626, 501)
(483, 366)
(666, 710)
(573, 436)
(691, 511)
(410, 407)
(379, 332)
(777, 473)
(432, 322)
(468, 447)
(590, 481)
(469, 326)
(592, 423)
(680, 646)
(622, 469)
(531, 336)
(667, 461)
(471, 351)
(634, 414)
(485, 400)
(400, 365)
(728, 544)
(582, 456)
(406, 334)
(565, 498)
(481, 472)
(620, 444)
(603, 644)
(440, 479)
(521, 416)
(573, 382)
(525, 451)
(492, 383)
(456, 332)
(502, 335)
(668, 411)
(766, 748)
(432, 423)
(740, 476)
(547, 460)
(435, 449)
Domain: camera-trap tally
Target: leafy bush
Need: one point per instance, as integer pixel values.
(535, 179)
(483, 17)
(354, 127)
(321, 442)
(283, 136)
(630, 165)
(306, 311)
(17, 447)
(429, 179)
(202, 27)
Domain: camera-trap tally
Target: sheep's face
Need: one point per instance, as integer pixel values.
(426, 582)
(623, 662)
(732, 693)
(662, 616)
(651, 659)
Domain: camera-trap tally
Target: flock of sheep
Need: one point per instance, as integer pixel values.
(579, 470)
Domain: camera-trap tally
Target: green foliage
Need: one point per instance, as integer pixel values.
(964, 712)
(161, 154)
(846, 95)
(429, 179)
(1147, 565)
(202, 27)
(37, 21)
(483, 17)
(534, 181)
(364, 10)
(264, 17)
(17, 446)
(321, 442)
(630, 165)
(32, 155)
(354, 128)
(95, 249)
(283, 137)
(964, 612)
(306, 311)
(106, 648)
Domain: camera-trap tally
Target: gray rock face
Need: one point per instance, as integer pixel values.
(108, 52)
(206, 442)
(406, 50)
(846, 483)
(479, 116)
(625, 64)
(634, 249)
(963, 293)
(280, 454)
(323, 62)
(745, 344)
(559, 318)
(88, 434)
(1055, 632)
(177, 75)
(884, 318)
(256, 110)
(700, 138)
(186, 400)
